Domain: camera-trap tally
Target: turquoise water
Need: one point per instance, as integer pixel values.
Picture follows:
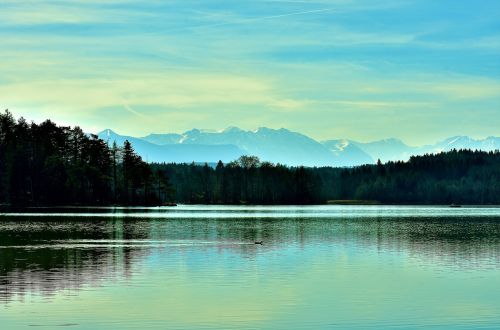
(197, 267)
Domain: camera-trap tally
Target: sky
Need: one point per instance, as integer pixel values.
(418, 70)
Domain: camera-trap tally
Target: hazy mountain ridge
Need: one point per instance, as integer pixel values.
(349, 152)
(283, 146)
(278, 146)
(394, 149)
(387, 149)
(162, 139)
(178, 153)
(464, 142)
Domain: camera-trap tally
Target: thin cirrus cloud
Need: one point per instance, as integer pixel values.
(326, 68)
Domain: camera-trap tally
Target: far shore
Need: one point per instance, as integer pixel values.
(353, 202)
(4, 208)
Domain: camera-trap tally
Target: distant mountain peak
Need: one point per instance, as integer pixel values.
(194, 131)
(392, 141)
(272, 130)
(232, 129)
(107, 133)
(342, 144)
(457, 138)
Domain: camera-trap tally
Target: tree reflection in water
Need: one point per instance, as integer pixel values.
(48, 255)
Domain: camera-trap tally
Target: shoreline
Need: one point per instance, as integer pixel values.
(9, 209)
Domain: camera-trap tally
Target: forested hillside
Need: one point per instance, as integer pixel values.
(46, 164)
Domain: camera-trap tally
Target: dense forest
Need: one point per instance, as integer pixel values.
(45, 164)
(460, 177)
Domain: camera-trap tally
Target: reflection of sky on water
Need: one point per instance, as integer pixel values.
(311, 272)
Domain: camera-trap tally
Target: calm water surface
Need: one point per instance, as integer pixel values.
(197, 267)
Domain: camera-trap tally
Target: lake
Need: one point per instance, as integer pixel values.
(198, 267)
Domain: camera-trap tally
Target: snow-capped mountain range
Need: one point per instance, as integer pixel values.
(282, 146)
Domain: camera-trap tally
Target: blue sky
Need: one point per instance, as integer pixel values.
(419, 70)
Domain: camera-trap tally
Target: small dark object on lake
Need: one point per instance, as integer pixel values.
(259, 242)
(455, 205)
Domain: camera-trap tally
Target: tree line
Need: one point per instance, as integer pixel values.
(457, 176)
(46, 164)
(244, 181)
(460, 177)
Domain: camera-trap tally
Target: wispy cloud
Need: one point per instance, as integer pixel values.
(315, 66)
(265, 18)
